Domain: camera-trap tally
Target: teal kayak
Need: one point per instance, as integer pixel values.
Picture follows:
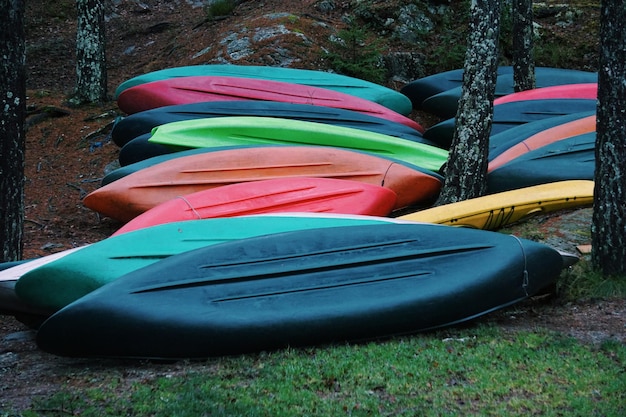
(377, 93)
(54, 285)
(302, 288)
(236, 131)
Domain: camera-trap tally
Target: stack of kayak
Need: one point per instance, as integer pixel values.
(265, 207)
(538, 136)
(232, 285)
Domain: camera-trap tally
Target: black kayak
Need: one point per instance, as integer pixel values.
(446, 103)
(140, 148)
(308, 287)
(423, 88)
(138, 124)
(567, 159)
(501, 142)
(509, 115)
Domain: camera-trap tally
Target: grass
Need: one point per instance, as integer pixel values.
(477, 371)
(581, 281)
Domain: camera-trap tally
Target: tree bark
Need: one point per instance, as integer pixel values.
(466, 169)
(91, 73)
(523, 58)
(13, 102)
(608, 230)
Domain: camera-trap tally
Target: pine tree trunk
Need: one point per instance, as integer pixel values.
(609, 213)
(523, 60)
(91, 73)
(13, 102)
(466, 169)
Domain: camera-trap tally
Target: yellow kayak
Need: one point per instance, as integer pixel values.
(493, 211)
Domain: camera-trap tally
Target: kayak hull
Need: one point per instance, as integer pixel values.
(302, 288)
(133, 194)
(56, 284)
(134, 125)
(283, 195)
(387, 97)
(236, 131)
(494, 211)
(567, 159)
(196, 89)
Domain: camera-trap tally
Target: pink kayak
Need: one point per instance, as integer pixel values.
(581, 91)
(543, 138)
(283, 195)
(184, 90)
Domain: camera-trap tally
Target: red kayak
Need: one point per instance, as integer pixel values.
(543, 138)
(131, 195)
(582, 91)
(184, 90)
(283, 195)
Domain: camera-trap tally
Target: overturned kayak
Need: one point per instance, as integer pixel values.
(234, 131)
(54, 285)
(584, 90)
(302, 288)
(554, 134)
(133, 194)
(281, 195)
(445, 104)
(134, 125)
(494, 211)
(382, 95)
(567, 159)
(185, 90)
(501, 142)
(515, 113)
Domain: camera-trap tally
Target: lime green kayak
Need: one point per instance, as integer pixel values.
(377, 93)
(244, 130)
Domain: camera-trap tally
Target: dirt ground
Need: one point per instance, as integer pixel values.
(67, 153)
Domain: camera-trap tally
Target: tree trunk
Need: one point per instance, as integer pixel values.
(466, 169)
(608, 251)
(13, 102)
(523, 60)
(91, 73)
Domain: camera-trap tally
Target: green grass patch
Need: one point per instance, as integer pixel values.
(219, 8)
(477, 371)
(581, 281)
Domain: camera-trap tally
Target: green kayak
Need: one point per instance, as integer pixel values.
(377, 93)
(244, 130)
(56, 284)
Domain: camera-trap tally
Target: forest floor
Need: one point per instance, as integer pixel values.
(67, 153)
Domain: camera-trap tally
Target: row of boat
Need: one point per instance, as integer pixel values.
(269, 207)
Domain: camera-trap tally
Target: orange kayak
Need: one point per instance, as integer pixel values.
(133, 194)
(545, 137)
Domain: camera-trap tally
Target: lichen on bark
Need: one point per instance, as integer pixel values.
(12, 103)
(91, 74)
(522, 53)
(608, 231)
(466, 169)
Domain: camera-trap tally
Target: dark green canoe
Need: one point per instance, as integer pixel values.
(567, 159)
(58, 283)
(302, 288)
